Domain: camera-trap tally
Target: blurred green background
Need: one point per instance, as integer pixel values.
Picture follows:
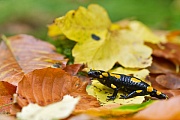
(33, 16)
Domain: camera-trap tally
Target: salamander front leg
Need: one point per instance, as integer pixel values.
(114, 95)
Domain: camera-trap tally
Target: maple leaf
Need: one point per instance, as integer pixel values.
(101, 44)
(53, 30)
(48, 85)
(144, 32)
(22, 53)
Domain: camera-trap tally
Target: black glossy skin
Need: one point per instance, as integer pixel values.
(125, 83)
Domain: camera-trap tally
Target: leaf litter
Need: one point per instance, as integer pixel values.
(163, 75)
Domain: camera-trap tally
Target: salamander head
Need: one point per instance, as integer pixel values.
(158, 94)
(95, 73)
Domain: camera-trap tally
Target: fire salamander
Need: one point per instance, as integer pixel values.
(131, 85)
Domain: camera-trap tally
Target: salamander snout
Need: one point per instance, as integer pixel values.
(94, 73)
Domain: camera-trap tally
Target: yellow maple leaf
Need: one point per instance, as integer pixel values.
(80, 25)
(54, 30)
(101, 44)
(144, 32)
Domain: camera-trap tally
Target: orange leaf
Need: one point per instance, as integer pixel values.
(48, 85)
(6, 96)
(22, 54)
(6, 89)
(161, 110)
(4, 104)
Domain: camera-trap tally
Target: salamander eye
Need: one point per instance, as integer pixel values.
(94, 73)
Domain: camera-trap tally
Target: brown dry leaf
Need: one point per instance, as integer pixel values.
(170, 81)
(168, 51)
(161, 110)
(74, 68)
(161, 65)
(23, 53)
(6, 96)
(48, 85)
(6, 89)
(155, 84)
(4, 104)
(163, 76)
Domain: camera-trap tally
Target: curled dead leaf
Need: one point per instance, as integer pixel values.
(168, 51)
(48, 85)
(155, 84)
(161, 66)
(170, 81)
(164, 76)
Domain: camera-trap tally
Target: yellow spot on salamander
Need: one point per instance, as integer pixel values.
(100, 76)
(138, 91)
(113, 86)
(158, 92)
(115, 75)
(105, 74)
(149, 89)
(135, 80)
